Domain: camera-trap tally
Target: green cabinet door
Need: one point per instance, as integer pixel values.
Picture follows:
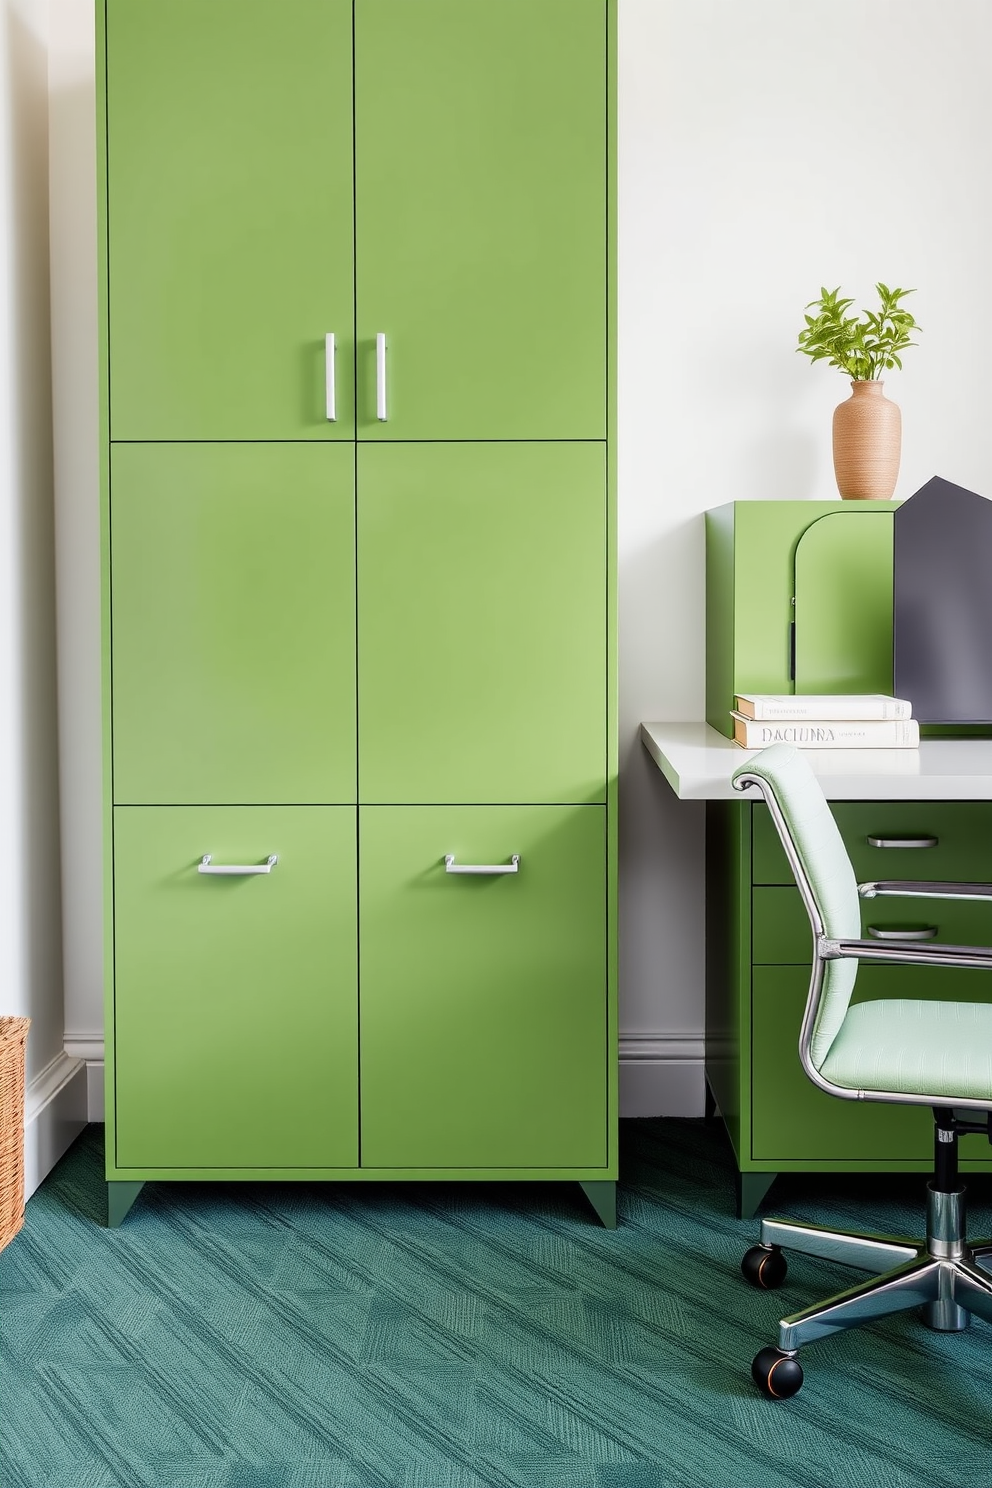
(481, 218)
(482, 572)
(235, 996)
(230, 218)
(233, 623)
(483, 997)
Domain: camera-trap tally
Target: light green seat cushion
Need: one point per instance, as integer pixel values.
(942, 1048)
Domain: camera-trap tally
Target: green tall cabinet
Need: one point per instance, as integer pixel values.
(357, 369)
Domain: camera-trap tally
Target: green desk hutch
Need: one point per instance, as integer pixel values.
(799, 599)
(357, 320)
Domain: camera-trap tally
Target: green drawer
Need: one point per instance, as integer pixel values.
(794, 1121)
(780, 929)
(963, 848)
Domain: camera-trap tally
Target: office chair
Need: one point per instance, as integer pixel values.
(906, 1051)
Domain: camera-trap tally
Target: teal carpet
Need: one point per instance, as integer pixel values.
(462, 1336)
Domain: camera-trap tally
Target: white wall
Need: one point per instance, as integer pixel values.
(30, 936)
(766, 147)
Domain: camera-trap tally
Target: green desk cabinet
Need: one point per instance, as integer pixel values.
(357, 295)
(757, 975)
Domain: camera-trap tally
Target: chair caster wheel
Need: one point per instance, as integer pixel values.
(764, 1266)
(777, 1375)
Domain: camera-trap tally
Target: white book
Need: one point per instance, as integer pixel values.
(819, 705)
(827, 733)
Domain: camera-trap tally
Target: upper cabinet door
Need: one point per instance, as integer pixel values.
(481, 228)
(230, 218)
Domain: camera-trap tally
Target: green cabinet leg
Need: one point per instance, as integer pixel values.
(751, 1189)
(603, 1198)
(121, 1194)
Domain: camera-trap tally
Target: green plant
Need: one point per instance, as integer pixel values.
(860, 347)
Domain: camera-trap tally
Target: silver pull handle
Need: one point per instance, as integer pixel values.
(450, 866)
(206, 865)
(380, 376)
(329, 349)
(893, 932)
(902, 841)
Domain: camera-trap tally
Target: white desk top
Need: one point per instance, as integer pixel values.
(698, 762)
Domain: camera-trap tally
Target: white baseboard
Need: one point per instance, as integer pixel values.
(91, 1050)
(661, 1074)
(55, 1112)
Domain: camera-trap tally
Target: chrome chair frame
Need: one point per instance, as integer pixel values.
(943, 1274)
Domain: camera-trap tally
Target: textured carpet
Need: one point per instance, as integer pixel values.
(463, 1336)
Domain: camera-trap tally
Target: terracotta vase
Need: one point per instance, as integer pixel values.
(867, 444)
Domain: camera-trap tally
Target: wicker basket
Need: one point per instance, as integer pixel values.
(13, 1037)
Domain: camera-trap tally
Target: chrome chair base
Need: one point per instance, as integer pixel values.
(946, 1277)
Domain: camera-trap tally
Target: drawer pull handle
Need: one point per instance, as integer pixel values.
(450, 866)
(903, 841)
(380, 377)
(329, 349)
(889, 932)
(207, 866)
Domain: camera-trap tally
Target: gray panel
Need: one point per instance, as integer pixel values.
(942, 604)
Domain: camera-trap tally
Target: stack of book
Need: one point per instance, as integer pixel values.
(824, 721)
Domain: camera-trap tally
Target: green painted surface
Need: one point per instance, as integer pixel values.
(103, 403)
(787, 1124)
(482, 630)
(781, 930)
(963, 830)
(484, 998)
(121, 1197)
(481, 218)
(236, 1007)
(612, 700)
(603, 1198)
(728, 967)
(843, 610)
(204, 213)
(720, 599)
(792, 1119)
(750, 584)
(230, 217)
(233, 615)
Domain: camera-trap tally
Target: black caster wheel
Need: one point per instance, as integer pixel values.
(764, 1266)
(777, 1375)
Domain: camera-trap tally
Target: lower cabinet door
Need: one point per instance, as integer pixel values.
(235, 1018)
(484, 995)
(792, 1119)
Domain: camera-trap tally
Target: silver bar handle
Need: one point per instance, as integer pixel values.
(329, 351)
(380, 376)
(891, 932)
(902, 841)
(450, 866)
(206, 865)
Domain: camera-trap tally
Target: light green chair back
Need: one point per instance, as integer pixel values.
(788, 783)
